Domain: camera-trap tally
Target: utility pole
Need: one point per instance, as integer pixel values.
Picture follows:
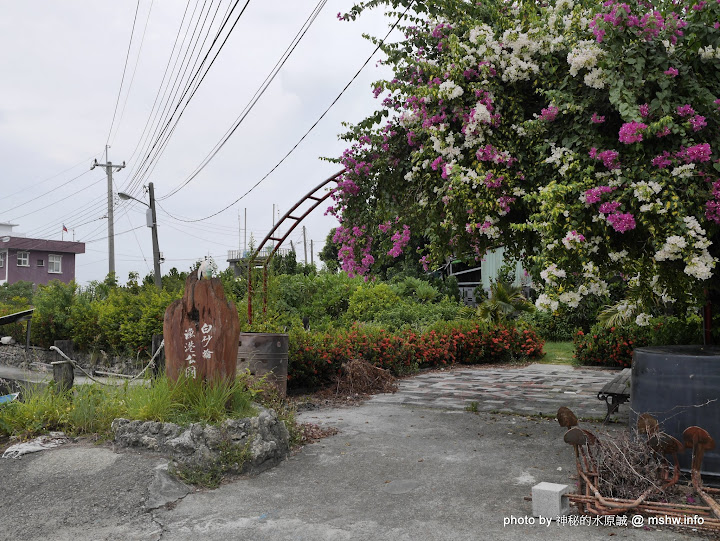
(245, 233)
(311, 252)
(108, 165)
(151, 220)
(305, 243)
(156, 247)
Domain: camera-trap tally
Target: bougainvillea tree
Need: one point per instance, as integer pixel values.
(581, 136)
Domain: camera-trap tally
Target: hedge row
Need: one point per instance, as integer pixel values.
(614, 346)
(314, 358)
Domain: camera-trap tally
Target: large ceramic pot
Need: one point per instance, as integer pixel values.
(680, 386)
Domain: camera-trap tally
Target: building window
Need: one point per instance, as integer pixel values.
(2, 259)
(55, 264)
(23, 259)
(40, 262)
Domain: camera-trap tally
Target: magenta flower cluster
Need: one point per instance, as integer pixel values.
(608, 157)
(621, 222)
(400, 240)
(712, 207)
(594, 195)
(631, 132)
(549, 113)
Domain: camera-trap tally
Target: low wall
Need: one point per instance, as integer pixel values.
(265, 438)
(15, 355)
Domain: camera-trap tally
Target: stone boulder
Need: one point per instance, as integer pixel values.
(264, 436)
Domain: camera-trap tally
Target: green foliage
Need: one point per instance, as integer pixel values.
(614, 345)
(329, 253)
(51, 319)
(506, 302)
(580, 136)
(91, 408)
(559, 327)
(370, 299)
(15, 298)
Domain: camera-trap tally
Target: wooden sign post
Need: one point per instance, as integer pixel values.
(201, 332)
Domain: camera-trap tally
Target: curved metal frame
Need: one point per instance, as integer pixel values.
(310, 196)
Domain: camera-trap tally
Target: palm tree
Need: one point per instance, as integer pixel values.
(506, 302)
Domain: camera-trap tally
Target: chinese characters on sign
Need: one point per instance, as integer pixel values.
(190, 348)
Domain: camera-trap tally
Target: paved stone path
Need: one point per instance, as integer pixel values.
(534, 389)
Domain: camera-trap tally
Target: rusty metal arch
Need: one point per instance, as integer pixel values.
(293, 220)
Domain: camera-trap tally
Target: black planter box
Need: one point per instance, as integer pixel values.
(680, 386)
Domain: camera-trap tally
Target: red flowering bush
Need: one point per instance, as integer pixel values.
(613, 346)
(315, 357)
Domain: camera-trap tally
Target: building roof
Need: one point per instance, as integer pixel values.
(61, 246)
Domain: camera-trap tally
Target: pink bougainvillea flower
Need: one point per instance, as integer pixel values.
(549, 113)
(631, 132)
(672, 72)
(685, 110)
(621, 222)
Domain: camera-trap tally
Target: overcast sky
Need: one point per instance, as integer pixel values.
(62, 66)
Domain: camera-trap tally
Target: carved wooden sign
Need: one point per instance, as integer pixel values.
(201, 332)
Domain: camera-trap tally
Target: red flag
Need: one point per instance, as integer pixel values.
(64, 229)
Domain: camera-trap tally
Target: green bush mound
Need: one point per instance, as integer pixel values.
(613, 346)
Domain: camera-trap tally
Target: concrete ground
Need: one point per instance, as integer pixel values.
(394, 471)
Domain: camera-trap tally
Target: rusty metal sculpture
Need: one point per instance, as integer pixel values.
(588, 498)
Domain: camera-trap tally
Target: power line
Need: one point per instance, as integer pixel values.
(380, 43)
(194, 84)
(122, 79)
(167, 66)
(116, 234)
(15, 207)
(170, 92)
(59, 200)
(132, 79)
(256, 97)
(26, 186)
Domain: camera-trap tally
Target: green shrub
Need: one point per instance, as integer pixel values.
(552, 327)
(370, 299)
(51, 319)
(614, 346)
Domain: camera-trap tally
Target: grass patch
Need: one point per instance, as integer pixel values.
(91, 408)
(558, 353)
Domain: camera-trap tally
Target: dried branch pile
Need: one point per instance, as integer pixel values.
(626, 466)
(362, 378)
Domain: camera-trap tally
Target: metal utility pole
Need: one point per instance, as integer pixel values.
(305, 243)
(108, 165)
(245, 233)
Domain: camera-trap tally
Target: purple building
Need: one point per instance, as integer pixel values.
(36, 260)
